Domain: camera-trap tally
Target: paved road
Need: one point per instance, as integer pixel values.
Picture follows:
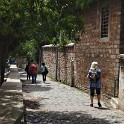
(56, 103)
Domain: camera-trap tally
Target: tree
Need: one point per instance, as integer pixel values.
(27, 49)
(15, 18)
(63, 16)
(40, 20)
(44, 21)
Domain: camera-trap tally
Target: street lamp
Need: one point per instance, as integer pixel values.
(57, 43)
(57, 58)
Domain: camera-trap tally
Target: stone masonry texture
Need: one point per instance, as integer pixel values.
(91, 48)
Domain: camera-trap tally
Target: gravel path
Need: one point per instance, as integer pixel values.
(56, 103)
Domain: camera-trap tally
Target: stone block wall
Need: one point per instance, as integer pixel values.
(49, 58)
(65, 55)
(91, 48)
(103, 50)
(121, 83)
(122, 29)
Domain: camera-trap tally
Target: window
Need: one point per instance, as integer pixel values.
(104, 22)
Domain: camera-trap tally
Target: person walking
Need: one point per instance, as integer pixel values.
(95, 83)
(44, 71)
(28, 71)
(33, 69)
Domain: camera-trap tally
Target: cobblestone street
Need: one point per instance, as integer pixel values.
(56, 103)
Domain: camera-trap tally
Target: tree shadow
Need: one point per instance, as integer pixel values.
(31, 104)
(32, 88)
(11, 105)
(63, 118)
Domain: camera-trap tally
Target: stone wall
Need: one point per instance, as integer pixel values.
(103, 50)
(91, 48)
(122, 29)
(121, 83)
(65, 55)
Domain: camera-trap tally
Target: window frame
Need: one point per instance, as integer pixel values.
(104, 4)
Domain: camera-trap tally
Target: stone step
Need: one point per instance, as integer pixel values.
(114, 102)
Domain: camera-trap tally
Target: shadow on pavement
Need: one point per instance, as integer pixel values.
(24, 81)
(31, 104)
(26, 84)
(63, 118)
(102, 108)
(34, 87)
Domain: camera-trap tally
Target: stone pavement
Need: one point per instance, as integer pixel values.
(11, 99)
(55, 103)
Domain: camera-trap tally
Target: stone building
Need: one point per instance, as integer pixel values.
(102, 40)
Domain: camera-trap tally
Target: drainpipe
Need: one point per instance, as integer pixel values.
(72, 73)
(57, 57)
(56, 60)
(114, 88)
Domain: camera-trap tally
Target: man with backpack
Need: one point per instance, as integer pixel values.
(94, 75)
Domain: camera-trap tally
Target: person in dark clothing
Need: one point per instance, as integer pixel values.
(28, 71)
(44, 71)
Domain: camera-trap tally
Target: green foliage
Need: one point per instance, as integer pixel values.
(11, 15)
(41, 20)
(64, 15)
(27, 49)
(30, 49)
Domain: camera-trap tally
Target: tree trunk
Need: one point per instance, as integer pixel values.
(0, 61)
(3, 57)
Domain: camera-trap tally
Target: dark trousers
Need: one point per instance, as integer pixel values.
(28, 75)
(92, 90)
(44, 76)
(34, 76)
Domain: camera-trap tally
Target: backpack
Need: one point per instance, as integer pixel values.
(46, 70)
(94, 76)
